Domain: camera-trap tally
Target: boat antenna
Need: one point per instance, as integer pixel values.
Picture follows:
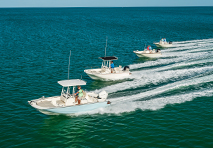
(69, 66)
(105, 46)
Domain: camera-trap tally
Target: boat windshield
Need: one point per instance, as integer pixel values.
(66, 92)
(105, 64)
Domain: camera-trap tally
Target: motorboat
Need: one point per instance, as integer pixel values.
(163, 44)
(65, 103)
(148, 53)
(106, 73)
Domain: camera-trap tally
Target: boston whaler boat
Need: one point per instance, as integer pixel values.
(163, 43)
(106, 73)
(148, 53)
(65, 104)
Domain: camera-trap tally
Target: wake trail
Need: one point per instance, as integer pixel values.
(176, 54)
(193, 41)
(147, 78)
(159, 90)
(156, 74)
(154, 104)
(181, 58)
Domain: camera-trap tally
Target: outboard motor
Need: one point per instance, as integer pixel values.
(126, 68)
(158, 50)
(102, 95)
(170, 42)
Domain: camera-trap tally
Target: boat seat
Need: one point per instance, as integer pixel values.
(92, 98)
(84, 101)
(47, 104)
(60, 103)
(103, 69)
(153, 51)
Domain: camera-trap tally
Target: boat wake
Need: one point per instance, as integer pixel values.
(153, 104)
(174, 78)
(145, 78)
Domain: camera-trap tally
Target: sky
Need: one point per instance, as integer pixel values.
(103, 3)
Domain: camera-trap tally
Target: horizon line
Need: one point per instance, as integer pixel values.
(99, 6)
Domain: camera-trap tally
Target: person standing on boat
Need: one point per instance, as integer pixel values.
(164, 40)
(148, 47)
(79, 94)
(112, 66)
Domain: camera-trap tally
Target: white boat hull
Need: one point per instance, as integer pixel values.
(144, 54)
(106, 76)
(85, 108)
(165, 45)
(56, 105)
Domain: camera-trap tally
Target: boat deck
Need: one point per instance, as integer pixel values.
(45, 104)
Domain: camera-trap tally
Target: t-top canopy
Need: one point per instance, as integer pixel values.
(108, 58)
(73, 82)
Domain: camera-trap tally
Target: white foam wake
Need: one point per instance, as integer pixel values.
(162, 89)
(185, 43)
(143, 78)
(154, 104)
(181, 58)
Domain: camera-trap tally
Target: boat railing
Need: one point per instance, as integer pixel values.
(63, 94)
(69, 96)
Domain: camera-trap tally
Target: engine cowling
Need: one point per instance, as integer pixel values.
(158, 50)
(126, 68)
(103, 95)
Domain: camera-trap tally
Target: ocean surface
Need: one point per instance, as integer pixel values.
(168, 102)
